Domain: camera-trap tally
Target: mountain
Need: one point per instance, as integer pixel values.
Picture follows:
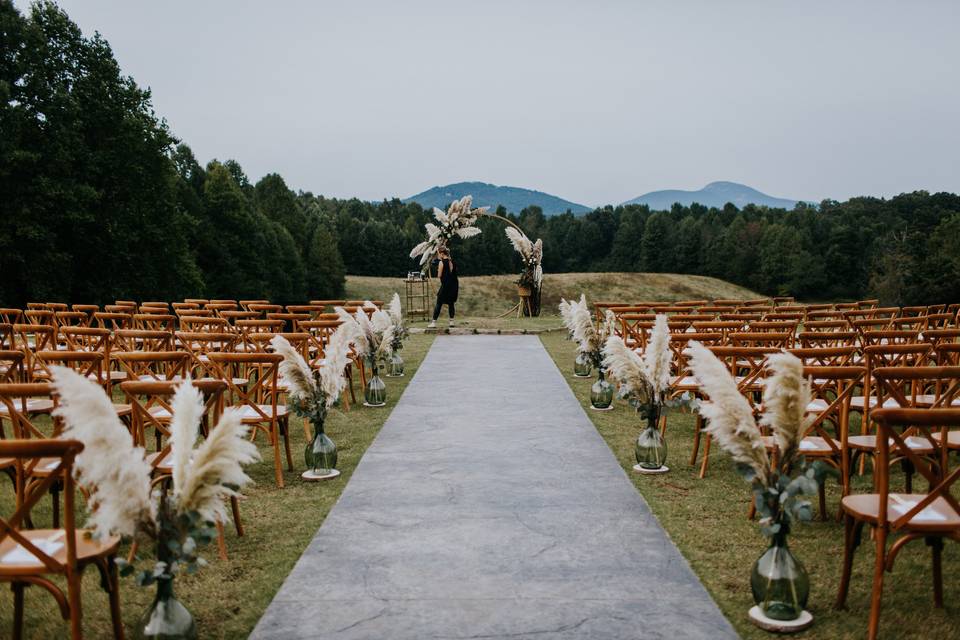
(513, 199)
(715, 194)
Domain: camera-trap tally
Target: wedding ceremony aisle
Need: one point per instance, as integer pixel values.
(489, 507)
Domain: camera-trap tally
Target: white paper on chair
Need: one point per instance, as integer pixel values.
(21, 556)
(928, 514)
(806, 445)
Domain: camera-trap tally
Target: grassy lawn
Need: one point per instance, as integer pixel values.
(227, 598)
(707, 520)
(489, 296)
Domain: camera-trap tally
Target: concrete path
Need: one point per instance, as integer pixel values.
(489, 507)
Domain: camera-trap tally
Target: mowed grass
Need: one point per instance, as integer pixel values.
(484, 298)
(227, 598)
(707, 520)
(492, 295)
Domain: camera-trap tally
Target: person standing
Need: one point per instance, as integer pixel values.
(449, 289)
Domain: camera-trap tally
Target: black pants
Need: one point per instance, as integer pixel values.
(450, 308)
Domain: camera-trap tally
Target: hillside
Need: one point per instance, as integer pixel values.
(715, 194)
(492, 295)
(513, 199)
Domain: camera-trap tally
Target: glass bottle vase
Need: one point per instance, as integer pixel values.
(779, 582)
(582, 366)
(601, 393)
(375, 393)
(651, 449)
(167, 618)
(395, 366)
(320, 454)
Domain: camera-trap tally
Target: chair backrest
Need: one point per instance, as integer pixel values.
(290, 320)
(90, 364)
(87, 338)
(233, 316)
(11, 316)
(777, 339)
(72, 319)
(808, 339)
(6, 336)
(201, 344)
(212, 324)
(142, 340)
(833, 387)
(58, 456)
(920, 387)
(152, 366)
(113, 319)
(155, 321)
(11, 365)
(826, 356)
(940, 503)
(259, 395)
(20, 401)
(151, 409)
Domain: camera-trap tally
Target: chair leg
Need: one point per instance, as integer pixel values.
(306, 431)
(696, 440)
(55, 496)
(822, 495)
(936, 551)
(113, 580)
(706, 456)
(851, 540)
(285, 426)
(76, 611)
(235, 506)
(277, 464)
(876, 596)
(221, 542)
(17, 588)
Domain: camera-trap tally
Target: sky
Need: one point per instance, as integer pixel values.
(594, 101)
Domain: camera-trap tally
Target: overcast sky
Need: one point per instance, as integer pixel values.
(594, 101)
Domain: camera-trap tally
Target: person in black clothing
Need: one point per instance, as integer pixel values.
(449, 286)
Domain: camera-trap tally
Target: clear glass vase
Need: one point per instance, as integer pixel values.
(395, 366)
(779, 582)
(375, 394)
(320, 454)
(582, 366)
(601, 393)
(651, 449)
(167, 618)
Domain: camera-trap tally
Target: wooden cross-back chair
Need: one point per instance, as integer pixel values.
(723, 327)
(632, 328)
(773, 326)
(743, 318)
(28, 556)
(234, 316)
(152, 366)
(196, 301)
(6, 336)
(889, 336)
(142, 340)
(32, 338)
(265, 307)
(194, 313)
(11, 316)
(932, 516)
(812, 339)
(89, 364)
(328, 304)
(17, 404)
(825, 436)
(319, 332)
(178, 306)
(155, 321)
(152, 410)
(903, 388)
(746, 365)
(258, 399)
(313, 310)
(72, 319)
(210, 324)
(87, 339)
(885, 355)
(200, 344)
(245, 304)
(910, 323)
(113, 320)
(290, 320)
(774, 339)
(842, 356)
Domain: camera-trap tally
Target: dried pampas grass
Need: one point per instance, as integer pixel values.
(110, 467)
(786, 395)
(458, 220)
(216, 472)
(187, 409)
(521, 243)
(729, 416)
(657, 357)
(584, 333)
(336, 357)
(294, 370)
(627, 367)
(394, 309)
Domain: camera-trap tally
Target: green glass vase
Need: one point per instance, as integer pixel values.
(779, 582)
(651, 449)
(375, 393)
(395, 366)
(167, 618)
(582, 366)
(320, 454)
(601, 393)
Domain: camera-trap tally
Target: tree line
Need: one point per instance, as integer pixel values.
(100, 201)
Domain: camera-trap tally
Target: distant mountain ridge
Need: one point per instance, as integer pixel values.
(513, 199)
(715, 194)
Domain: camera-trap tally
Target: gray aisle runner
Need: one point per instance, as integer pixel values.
(489, 507)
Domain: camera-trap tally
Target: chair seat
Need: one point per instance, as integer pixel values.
(817, 405)
(249, 414)
(858, 402)
(927, 400)
(684, 382)
(34, 406)
(123, 410)
(809, 446)
(15, 559)
(916, 444)
(938, 516)
(953, 439)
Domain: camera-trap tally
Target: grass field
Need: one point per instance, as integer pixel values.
(707, 520)
(484, 297)
(227, 598)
